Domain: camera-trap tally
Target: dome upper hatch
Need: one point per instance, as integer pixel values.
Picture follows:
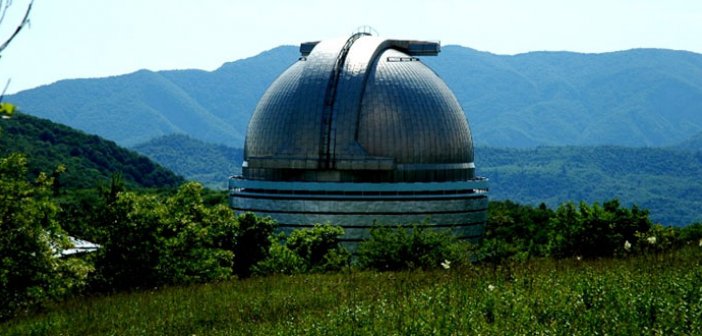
(359, 109)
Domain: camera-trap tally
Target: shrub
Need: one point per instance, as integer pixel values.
(30, 236)
(252, 243)
(152, 241)
(406, 248)
(280, 260)
(319, 247)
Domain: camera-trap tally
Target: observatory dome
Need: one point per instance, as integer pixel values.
(359, 109)
(358, 132)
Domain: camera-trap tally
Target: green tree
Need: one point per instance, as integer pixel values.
(396, 248)
(320, 247)
(153, 241)
(596, 231)
(31, 239)
(252, 242)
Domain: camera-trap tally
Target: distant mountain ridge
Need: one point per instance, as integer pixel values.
(640, 97)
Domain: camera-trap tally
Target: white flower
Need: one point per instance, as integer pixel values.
(491, 288)
(651, 240)
(578, 258)
(627, 245)
(446, 264)
(700, 242)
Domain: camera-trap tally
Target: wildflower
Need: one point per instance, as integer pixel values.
(700, 242)
(651, 240)
(627, 245)
(446, 264)
(578, 258)
(491, 288)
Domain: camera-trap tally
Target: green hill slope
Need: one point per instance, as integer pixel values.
(665, 181)
(87, 158)
(207, 163)
(642, 97)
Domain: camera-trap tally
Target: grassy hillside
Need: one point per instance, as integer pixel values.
(206, 163)
(87, 158)
(664, 181)
(642, 97)
(652, 294)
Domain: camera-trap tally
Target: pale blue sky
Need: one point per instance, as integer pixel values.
(96, 38)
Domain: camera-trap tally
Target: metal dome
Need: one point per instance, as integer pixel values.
(363, 109)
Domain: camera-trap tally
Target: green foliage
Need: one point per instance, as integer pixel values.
(280, 260)
(691, 233)
(30, 239)
(320, 247)
(647, 294)
(398, 248)
(595, 231)
(153, 241)
(88, 159)
(252, 242)
(515, 231)
(7, 110)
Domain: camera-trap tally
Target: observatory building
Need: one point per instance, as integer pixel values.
(359, 132)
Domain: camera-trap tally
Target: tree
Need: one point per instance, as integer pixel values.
(153, 241)
(252, 242)
(320, 247)
(31, 271)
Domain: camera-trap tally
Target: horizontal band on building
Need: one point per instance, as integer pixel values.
(360, 240)
(357, 213)
(380, 225)
(331, 197)
(308, 187)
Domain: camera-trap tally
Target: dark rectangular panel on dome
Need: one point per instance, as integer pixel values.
(306, 47)
(418, 48)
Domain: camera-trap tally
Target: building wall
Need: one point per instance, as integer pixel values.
(463, 212)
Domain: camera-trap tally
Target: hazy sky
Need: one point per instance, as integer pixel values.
(96, 38)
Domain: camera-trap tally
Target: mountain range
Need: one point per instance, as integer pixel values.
(640, 97)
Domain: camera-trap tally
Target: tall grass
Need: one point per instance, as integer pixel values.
(652, 294)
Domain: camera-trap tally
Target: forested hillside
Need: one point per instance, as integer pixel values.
(194, 159)
(87, 158)
(667, 182)
(642, 97)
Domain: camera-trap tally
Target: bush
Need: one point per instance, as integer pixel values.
(152, 241)
(319, 247)
(252, 243)
(30, 237)
(595, 231)
(407, 248)
(280, 260)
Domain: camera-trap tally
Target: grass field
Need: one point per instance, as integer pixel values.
(653, 294)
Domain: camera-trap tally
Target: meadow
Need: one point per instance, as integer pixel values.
(650, 294)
